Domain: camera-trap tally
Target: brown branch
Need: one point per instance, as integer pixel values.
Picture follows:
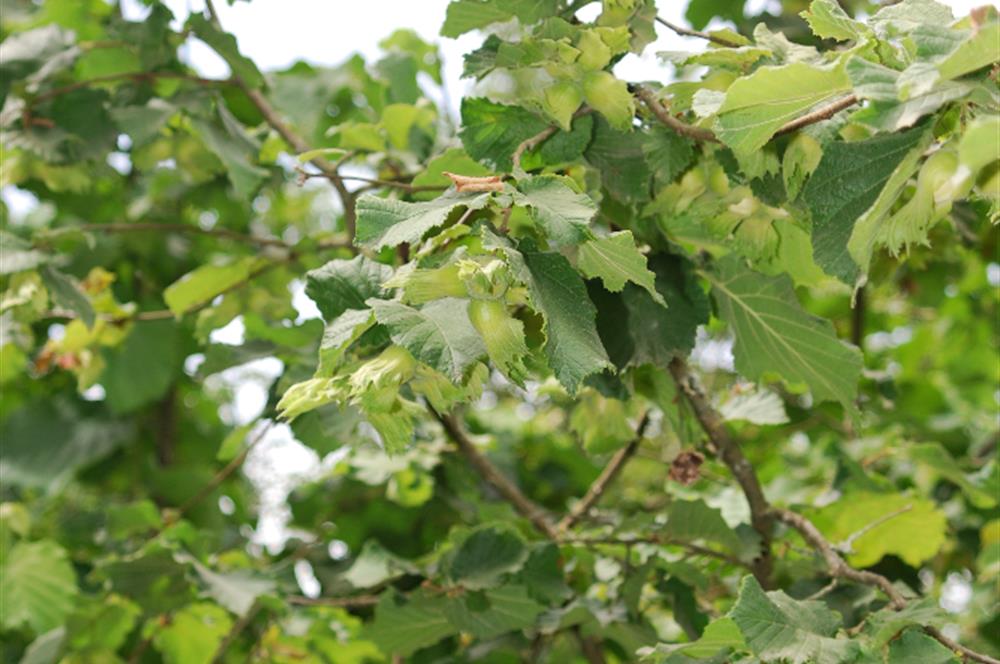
(839, 569)
(954, 646)
(524, 505)
(600, 485)
(728, 450)
(235, 631)
(820, 114)
(292, 137)
(394, 184)
(836, 565)
(702, 134)
(663, 115)
(659, 541)
(357, 602)
(132, 76)
(688, 32)
(533, 142)
(590, 647)
(224, 473)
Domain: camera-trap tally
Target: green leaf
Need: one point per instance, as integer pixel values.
(982, 50)
(346, 284)
(234, 148)
(621, 161)
(65, 293)
(466, 15)
(46, 648)
(339, 335)
(439, 334)
(616, 260)
(915, 647)
(601, 423)
(849, 180)
(828, 21)
(563, 213)
(774, 335)
(700, 12)
(403, 628)
(193, 634)
(778, 628)
(202, 285)
(385, 222)
(610, 97)
(375, 565)
(38, 586)
(884, 625)
(937, 459)
(690, 520)
(668, 154)
(485, 555)
(24, 52)
(237, 591)
(225, 45)
(888, 521)
(572, 345)
(491, 132)
(45, 443)
(101, 625)
(453, 160)
(757, 105)
(495, 612)
(142, 368)
(655, 335)
(719, 634)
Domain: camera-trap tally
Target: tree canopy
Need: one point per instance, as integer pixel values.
(699, 369)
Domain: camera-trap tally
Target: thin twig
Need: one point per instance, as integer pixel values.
(834, 563)
(659, 541)
(224, 473)
(688, 32)
(533, 142)
(600, 485)
(394, 184)
(702, 134)
(838, 568)
(954, 646)
(730, 453)
(235, 631)
(524, 505)
(820, 114)
(292, 137)
(663, 115)
(357, 602)
(133, 76)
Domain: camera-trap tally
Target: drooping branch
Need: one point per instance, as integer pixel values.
(524, 505)
(648, 97)
(659, 541)
(688, 32)
(137, 76)
(839, 569)
(663, 115)
(533, 142)
(835, 564)
(728, 450)
(607, 476)
(293, 139)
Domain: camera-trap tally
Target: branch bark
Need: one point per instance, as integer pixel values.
(839, 569)
(607, 476)
(688, 32)
(728, 450)
(524, 505)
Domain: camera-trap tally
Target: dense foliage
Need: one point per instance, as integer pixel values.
(610, 371)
